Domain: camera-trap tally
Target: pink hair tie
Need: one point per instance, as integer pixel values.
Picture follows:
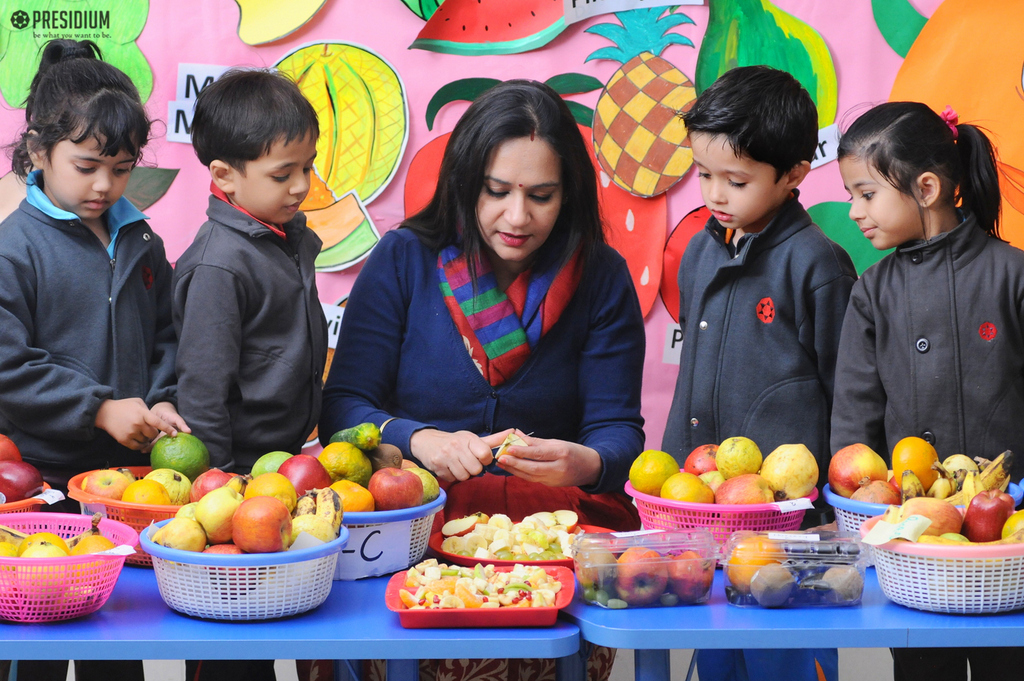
(950, 118)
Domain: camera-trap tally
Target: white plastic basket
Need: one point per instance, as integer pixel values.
(256, 586)
(964, 580)
(383, 542)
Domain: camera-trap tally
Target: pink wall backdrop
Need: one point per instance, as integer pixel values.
(205, 32)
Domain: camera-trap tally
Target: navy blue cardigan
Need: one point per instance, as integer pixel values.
(400, 355)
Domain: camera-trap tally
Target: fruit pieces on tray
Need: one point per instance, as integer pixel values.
(793, 569)
(430, 585)
(540, 536)
(647, 568)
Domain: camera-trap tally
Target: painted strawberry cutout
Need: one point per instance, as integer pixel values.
(691, 223)
(766, 310)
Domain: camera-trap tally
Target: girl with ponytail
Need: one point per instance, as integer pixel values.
(932, 344)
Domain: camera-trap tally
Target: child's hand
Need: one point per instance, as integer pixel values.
(132, 423)
(169, 414)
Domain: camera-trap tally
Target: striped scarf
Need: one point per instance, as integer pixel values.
(500, 329)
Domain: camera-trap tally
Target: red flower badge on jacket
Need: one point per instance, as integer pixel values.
(766, 310)
(147, 277)
(987, 331)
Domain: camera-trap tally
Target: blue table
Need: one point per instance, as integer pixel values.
(352, 624)
(877, 623)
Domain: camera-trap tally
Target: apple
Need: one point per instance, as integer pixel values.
(712, 479)
(568, 519)
(262, 525)
(19, 480)
(701, 460)
(749, 488)
(945, 516)
(207, 482)
(8, 450)
(986, 515)
(305, 473)
(269, 463)
(852, 464)
(642, 576)
(395, 488)
(431, 490)
(690, 577)
(791, 471)
(182, 534)
(459, 527)
(215, 513)
(408, 464)
(106, 483)
(227, 549)
(876, 492)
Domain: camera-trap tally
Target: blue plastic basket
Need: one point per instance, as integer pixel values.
(382, 542)
(253, 586)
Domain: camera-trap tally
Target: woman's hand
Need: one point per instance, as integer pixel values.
(132, 423)
(451, 456)
(555, 463)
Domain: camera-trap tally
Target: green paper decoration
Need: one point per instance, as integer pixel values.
(147, 185)
(898, 22)
(834, 219)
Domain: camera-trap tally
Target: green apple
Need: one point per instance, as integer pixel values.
(269, 463)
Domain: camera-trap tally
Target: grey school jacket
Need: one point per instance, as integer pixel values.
(933, 346)
(252, 337)
(78, 327)
(760, 335)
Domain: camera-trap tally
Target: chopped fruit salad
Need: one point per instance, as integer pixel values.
(431, 585)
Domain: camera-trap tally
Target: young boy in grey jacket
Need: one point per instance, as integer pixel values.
(251, 332)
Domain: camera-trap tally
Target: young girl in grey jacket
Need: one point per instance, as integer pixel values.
(933, 339)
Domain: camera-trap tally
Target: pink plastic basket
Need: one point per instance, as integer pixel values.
(722, 519)
(963, 580)
(55, 589)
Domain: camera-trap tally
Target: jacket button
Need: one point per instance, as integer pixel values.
(146, 237)
(694, 422)
(928, 436)
(494, 394)
(703, 325)
(915, 258)
(922, 345)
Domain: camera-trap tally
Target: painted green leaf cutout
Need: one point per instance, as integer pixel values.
(584, 115)
(899, 23)
(573, 83)
(463, 90)
(424, 9)
(147, 185)
(834, 219)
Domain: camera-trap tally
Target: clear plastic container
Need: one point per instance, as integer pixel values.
(647, 568)
(793, 569)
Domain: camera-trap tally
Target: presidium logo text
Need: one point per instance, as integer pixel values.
(73, 20)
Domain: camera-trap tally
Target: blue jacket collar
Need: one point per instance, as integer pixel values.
(118, 215)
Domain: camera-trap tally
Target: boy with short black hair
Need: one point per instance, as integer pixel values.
(763, 293)
(252, 334)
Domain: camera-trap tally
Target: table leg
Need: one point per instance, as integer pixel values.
(347, 670)
(651, 665)
(403, 670)
(571, 668)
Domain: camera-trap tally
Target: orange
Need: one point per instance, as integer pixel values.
(687, 487)
(42, 538)
(273, 485)
(749, 554)
(650, 470)
(184, 453)
(470, 599)
(94, 543)
(345, 461)
(1013, 523)
(915, 454)
(354, 498)
(408, 599)
(146, 492)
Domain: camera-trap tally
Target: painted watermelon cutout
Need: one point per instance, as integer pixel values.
(691, 223)
(476, 27)
(633, 226)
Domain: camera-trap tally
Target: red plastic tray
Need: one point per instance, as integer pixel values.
(468, 561)
(480, 617)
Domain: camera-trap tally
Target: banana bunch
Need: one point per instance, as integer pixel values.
(910, 486)
(11, 536)
(990, 475)
(944, 485)
(93, 529)
(319, 513)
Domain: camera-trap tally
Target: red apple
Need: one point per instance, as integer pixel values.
(690, 577)
(945, 516)
(395, 488)
(876, 492)
(749, 488)
(8, 450)
(642, 576)
(305, 473)
(986, 515)
(852, 464)
(106, 483)
(701, 460)
(19, 480)
(262, 525)
(207, 482)
(229, 549)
